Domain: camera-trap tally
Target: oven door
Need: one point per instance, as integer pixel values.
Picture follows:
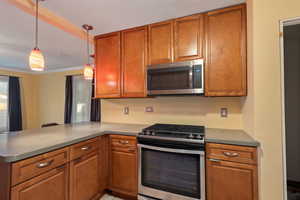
(171, 174)
(175, 78)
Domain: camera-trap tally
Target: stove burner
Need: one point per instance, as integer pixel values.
(174, 132)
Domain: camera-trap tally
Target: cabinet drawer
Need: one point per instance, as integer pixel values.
(83, 148)
(234, 153)
(123, 143)
(29, 168)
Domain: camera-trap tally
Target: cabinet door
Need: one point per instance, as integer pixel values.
(189, 36)
(161, 42)
(108, 66)
(231, 181)
(103, 162)
(84, 177)
(123, 175)
(52, 185)
(225, 70)
(134, 61)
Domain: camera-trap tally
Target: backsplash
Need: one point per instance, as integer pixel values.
(180, 110)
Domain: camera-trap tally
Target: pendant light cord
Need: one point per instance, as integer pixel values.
(88, 46)
(36, 23)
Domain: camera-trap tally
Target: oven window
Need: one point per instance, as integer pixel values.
(171, 172)
(169, 79)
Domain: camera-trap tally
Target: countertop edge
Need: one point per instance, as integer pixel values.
(11, 159)
(232, 142)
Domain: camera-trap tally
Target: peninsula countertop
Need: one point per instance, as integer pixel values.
(15, 146)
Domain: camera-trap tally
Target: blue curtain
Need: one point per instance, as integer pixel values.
(14, 104)
(68, 99)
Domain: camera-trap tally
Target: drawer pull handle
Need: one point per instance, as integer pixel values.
(131, 150)
(123, 142)
(214, 160)
(44, 164)
(85, 148)
(229, 154)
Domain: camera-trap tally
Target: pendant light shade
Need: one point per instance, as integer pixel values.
(36, 60)
(88, 70)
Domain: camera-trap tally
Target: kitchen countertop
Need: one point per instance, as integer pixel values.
(16, 146)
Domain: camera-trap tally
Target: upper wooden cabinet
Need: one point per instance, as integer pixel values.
(134, 61)
(161, 42)
(108, 65)
(218, 37)
(188, 37)
(225, 69)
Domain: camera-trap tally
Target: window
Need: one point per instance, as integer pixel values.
(4, 103)
(82, 93)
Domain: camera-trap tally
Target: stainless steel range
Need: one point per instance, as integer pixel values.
(171, 162)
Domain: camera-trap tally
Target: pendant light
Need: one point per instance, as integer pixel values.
(36, 58)
(88, 70)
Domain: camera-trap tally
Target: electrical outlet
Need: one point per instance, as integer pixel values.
(126, 110)
(224, 112)
(149, 109)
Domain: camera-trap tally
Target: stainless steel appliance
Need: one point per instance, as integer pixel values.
(176, 78)
(171, 162)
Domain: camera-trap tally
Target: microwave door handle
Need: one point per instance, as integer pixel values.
(191, 78)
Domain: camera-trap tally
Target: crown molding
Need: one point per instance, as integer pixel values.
(28, 71)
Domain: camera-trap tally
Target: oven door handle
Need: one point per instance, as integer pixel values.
(182, 151)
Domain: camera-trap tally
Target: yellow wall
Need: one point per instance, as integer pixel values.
(51, 95)
(28, 84)
(262, 109)
(188, 110)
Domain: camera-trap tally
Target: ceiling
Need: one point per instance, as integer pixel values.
(63, 51)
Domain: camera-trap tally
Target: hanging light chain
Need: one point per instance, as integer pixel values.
(88, 46)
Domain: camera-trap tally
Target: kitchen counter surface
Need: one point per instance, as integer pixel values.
(228, 136)
(16, 146)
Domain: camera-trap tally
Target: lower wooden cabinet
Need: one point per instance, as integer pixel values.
(230, 180)
(84, 173)
(49, 186)
(123, 165)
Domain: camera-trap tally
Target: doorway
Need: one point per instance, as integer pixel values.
(291, 106)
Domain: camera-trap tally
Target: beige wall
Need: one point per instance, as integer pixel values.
(189, 110)
(51, 95)
(29, 97)
(262, 109)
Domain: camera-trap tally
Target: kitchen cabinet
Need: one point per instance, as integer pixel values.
(84, 181)
(50, 185)
(123, 165)
(134, 61)
(225, 69)
(231, 172)
(188, 37)
(218, 37)
(108, 65)
(160, 42)
(103, 162)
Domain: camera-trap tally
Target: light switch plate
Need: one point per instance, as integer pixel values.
(224, 112)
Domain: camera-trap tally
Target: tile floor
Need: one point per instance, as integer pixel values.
(110, 197)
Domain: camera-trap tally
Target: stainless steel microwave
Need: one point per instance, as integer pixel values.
(179, 78)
